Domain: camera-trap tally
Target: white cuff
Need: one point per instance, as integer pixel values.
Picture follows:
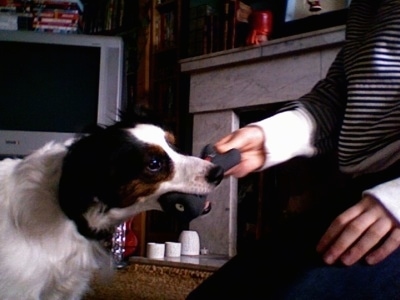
(388, 194)
(287, 134)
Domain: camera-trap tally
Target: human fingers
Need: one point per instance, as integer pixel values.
(350, 231)
(225, 143)
(250, 142)
(250, 161)
(368, 240)
(357, 230)
(243, 139)
(337, 227)
(391, 237)
(391, 243)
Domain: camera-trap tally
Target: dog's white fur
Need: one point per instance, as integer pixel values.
(42, 255)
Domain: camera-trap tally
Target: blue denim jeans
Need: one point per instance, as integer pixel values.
(285, 264)
(253, 278)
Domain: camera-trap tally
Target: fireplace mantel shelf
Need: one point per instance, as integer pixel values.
(283, 46)
(224, 83)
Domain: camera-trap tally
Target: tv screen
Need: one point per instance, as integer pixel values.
(53, 86)
(42, 89)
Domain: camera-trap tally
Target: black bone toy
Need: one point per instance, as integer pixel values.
(187, 207)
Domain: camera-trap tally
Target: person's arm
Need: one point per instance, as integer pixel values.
(309, 125)
(294, 130)
(288, 134)
(325, 104)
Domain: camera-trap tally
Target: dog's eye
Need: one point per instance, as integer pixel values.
(154, 165)
(180, 207)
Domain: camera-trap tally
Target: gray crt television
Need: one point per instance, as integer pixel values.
(55, 86)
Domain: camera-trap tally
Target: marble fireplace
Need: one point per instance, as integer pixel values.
(224, 83)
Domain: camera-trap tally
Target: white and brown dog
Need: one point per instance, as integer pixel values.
(58, 204)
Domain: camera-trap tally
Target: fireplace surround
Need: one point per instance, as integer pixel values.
(225, 84)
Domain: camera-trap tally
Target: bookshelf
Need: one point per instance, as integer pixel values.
(168, 87)
(130, 20)
(217, 25)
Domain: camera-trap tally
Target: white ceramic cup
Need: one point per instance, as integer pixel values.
(155, 250)
(172, 249)
(190, 241)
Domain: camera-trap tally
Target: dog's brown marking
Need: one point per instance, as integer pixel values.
(134, 190)
(170, 138)
(150, 179)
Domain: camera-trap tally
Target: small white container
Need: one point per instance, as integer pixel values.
(172, 249)
(190, 241)
(155, 250)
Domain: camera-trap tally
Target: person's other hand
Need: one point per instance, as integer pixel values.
(364, 230)
(250, 142)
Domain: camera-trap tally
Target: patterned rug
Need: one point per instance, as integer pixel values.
(148, 282)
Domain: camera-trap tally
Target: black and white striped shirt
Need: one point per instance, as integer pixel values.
(357, 106)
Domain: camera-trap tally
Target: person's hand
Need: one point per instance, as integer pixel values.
(364, 230)
(250, 142)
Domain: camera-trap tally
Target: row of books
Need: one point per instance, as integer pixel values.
(214, 29)
(62, 17)
(107, 17)
(31, 6)
(165, 36)
(41, 15)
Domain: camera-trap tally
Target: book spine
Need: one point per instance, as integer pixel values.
(56, 29)
(225, 27)
(120, 13)
(56, 22)
(166, 30)
(58, 14)
(157, 32)
(14, 6)
(209, 33)
(204, 35)
(72, 4)
(109, 9)
(233, 7)
(242, 26)
(8, 9)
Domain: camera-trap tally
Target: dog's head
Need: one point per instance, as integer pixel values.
(121, 170)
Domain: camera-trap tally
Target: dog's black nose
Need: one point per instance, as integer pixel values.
(223, 162)
(215, 175)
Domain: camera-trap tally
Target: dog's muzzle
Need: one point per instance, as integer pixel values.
(187, 207)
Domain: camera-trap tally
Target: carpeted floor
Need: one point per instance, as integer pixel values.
(148, 282)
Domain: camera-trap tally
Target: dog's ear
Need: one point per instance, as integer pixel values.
(142, 115)
(88, 174)
(138, 114)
